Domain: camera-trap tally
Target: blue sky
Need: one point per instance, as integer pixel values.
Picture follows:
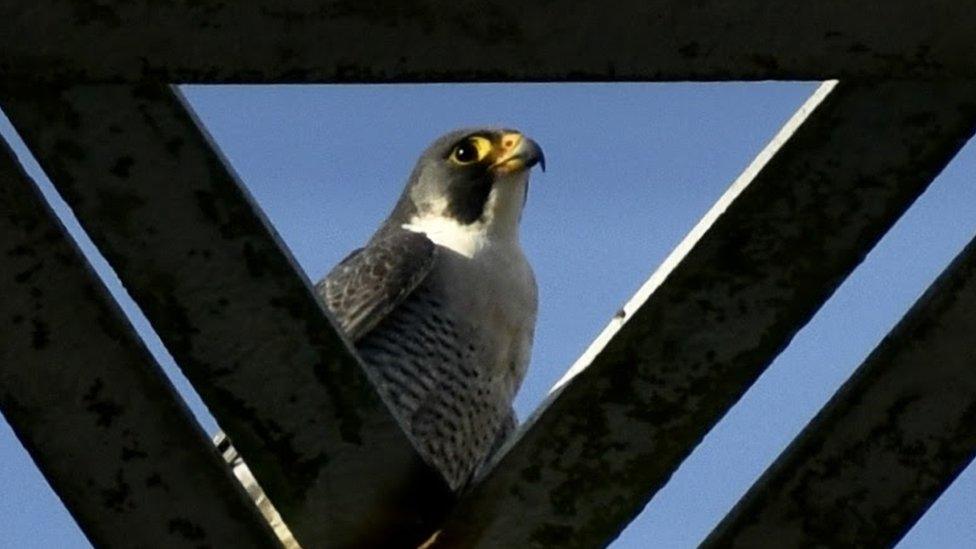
(631, 168)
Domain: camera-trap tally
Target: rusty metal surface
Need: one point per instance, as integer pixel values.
(87, 400)
(886, 445)
(716, 313)
(231, 306)
(437, 40)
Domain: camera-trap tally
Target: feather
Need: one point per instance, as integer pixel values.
(369, 283)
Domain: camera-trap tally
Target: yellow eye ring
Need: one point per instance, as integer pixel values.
(470, 150)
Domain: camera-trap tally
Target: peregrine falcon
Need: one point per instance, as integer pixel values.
(441, 302)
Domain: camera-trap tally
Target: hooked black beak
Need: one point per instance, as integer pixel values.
(537, 154)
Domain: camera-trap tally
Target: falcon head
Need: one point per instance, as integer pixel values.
(469, 182)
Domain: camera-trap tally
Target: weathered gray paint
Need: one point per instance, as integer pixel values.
(232, 307)
(86, 399)
(716, 314)
(886, 445)
(438, 40)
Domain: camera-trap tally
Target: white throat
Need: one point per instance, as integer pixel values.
(497, 226)
(467, 240)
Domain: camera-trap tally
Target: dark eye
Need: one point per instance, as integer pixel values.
(466, 152)
(473, 149)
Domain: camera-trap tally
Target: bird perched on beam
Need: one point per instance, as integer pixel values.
(441, 302)
(441, 305)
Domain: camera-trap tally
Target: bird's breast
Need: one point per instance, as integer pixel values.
(451, 357)
(495, 291)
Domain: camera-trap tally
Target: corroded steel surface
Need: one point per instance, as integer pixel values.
(886, 445)
(231, 306)
(96, 413)
(716, 314)
(439, 40)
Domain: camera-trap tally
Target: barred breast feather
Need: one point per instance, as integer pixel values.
(447, 362)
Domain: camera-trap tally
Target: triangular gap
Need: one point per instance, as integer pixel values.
(54, 522)
(632, 168)
(818, 360)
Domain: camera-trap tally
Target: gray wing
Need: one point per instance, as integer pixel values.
(369, 283)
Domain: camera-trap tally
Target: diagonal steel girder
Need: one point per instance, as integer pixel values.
(98, 416)
(211, 41)
(715, 314)
(886, 445)
(234, 310)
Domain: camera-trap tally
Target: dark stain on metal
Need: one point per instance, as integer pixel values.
(206, 202)
(105, 409)
(552, 535)
(187, 529)
(122, 167)
(174, 146)
(40, 335)
(24, 276)
(390, 15)
(129, 454)
(20, 250)
(69, 150)
(117, 497)
(94, 13)
(256, 263)
(690, 50)
(155, 480)
(119, 207)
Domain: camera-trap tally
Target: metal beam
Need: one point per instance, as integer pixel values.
(715, 314)
(886, 445)
(234, 310)
(435, 40)
(87, 400)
